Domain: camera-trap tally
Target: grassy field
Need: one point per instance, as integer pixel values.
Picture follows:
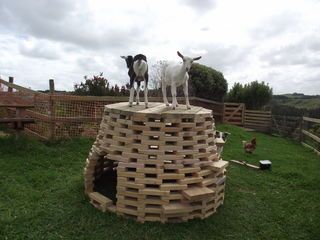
(298, 100)
(42, 195)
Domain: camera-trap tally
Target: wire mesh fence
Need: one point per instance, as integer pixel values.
(60, 116)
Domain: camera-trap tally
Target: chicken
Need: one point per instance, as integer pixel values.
(249, 147)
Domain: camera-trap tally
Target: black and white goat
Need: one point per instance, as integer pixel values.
(176, 75)
(138, 71)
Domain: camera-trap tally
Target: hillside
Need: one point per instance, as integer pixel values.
(297, 100)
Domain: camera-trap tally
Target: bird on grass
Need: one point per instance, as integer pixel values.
(250, 146)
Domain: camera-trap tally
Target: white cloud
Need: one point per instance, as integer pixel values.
(269, 40)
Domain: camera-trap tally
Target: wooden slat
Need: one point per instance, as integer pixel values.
(22, 89)
(258, 122)
(34, 134)
(11, 120)
(258, 112)
(308, 119)
(207, 101)
(308, 146)
(234, 112)
(314, 137)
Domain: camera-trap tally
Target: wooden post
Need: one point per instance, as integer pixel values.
(10, 81)
(51, 110)
(243, 114)
(12, 125)
(301, 128)
(222, 116)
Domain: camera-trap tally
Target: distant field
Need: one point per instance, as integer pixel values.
(298, 101)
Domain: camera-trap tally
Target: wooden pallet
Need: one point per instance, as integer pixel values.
(168, 167)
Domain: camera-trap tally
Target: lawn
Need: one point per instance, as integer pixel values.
(42, 195)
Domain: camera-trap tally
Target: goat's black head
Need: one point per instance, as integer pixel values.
(129, 60)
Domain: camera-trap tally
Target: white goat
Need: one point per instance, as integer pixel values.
(176, 75)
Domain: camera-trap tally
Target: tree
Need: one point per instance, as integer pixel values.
(255, 95)
(205, 82)
(156, 74)
(95, 86)
(116, 90)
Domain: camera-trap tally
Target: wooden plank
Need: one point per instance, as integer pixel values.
(16, 100)
(34, 134)
(258, 112)
(257, 116)
(197, 193)
(265, 122)
(218, 165)
(22, 89)
(100, 198)
(308, 119)
(314, 137)
(178, 208)
(206, 101)
(232, 104)
(245, 164)
(16, 119)
(308, 146)
(259, 124)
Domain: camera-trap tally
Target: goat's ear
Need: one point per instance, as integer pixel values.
(179, 54)
(197, 58)
(123, 57)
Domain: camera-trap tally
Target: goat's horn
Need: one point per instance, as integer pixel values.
(179, 54)
(197, 58)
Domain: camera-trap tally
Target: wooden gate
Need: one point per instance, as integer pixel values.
(258, 120)
(233, 113)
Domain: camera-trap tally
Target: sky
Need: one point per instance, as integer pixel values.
(275, 41)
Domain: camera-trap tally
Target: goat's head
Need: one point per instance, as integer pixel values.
(129, 60)
(187, 61)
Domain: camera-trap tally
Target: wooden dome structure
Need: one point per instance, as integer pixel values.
(156, 164)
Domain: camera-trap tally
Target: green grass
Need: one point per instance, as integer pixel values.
(42, 195)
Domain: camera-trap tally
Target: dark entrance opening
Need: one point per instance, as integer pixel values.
(106, 180)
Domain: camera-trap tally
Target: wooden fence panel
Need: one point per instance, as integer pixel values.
(258, 120)
(216, 107)
(286, 126)
(64, 116)
(311, 137)
(234, 113)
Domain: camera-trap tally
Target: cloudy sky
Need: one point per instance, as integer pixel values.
(276, 41)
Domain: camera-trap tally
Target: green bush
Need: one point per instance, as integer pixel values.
(205, 82)
(255, 95)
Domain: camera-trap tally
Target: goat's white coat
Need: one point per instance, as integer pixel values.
(176, 75)
(140, 67)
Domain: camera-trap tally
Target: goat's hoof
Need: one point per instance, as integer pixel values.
(173, 107)
(188, 107)
(138, 103)
(130, 104)
(167, 104)
(146, 105)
